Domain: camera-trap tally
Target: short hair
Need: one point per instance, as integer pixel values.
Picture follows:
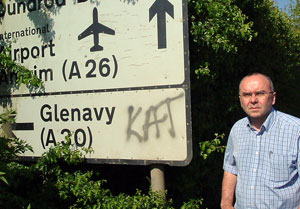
(256, 73)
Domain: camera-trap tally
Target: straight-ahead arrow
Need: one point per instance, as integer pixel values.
(160, 8)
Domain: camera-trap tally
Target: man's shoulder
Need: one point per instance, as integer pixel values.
(288, 119)
(241, 123)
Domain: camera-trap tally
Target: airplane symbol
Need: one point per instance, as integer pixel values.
(95, 28)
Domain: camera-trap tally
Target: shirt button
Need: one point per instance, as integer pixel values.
(256, 153)
(254, 170)
(252, 187)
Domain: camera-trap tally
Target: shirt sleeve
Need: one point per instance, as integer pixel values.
(229, 164)
(298, 157)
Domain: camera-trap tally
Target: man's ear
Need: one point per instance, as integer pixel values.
(274, 98)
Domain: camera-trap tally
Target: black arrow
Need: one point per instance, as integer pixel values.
(161, 7)
(22, 126)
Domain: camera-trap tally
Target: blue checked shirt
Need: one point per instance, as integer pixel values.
(267, 163)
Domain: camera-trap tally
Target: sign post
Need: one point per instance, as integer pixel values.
(116, 77)
(157, 178)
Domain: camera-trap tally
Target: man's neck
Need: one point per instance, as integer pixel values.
(257, 123)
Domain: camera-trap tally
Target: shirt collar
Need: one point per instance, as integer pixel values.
(268, 122)
(270, 119)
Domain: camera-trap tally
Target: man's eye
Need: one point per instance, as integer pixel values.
(260, 93)
(247, 94)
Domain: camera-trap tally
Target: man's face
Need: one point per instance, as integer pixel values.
(257, 97)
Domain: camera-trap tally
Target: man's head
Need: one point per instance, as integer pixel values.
(257, 97)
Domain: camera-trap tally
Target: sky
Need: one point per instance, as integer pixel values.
(282, 3)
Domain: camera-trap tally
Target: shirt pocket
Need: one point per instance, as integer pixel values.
(279, 167)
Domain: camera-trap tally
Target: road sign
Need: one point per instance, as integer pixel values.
(116, 75)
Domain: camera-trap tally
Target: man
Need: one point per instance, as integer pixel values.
(262, 158)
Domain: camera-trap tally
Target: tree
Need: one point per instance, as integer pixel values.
(293, 11)
(229, 39)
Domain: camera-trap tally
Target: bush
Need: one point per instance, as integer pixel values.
(55, 182)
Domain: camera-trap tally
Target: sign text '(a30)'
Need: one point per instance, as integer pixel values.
(81, 137)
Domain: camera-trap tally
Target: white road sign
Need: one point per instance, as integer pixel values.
(115, 73)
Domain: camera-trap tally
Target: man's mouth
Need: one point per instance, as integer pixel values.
(254, 108)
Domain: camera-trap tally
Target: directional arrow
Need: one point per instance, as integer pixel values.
(22, 126)
(9, 127)
(161, 7)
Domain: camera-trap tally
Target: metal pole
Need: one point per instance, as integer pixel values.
(157, 178)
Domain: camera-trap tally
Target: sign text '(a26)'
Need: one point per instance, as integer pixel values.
(105, 67)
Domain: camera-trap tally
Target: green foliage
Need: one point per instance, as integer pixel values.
(7, 117)
(63, 154)
(2, 177)
(192, 204)
(151, 200)
(294, 15)
(77, 189)
(58, 184)
(228, 40)
(224, 26)
(23, 75)
(207, 147)
(10, 148)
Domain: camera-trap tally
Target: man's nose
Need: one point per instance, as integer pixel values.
(253, 98)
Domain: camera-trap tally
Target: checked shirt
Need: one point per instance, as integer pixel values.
(267, 163)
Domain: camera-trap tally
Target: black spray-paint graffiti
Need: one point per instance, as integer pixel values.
(151, 111)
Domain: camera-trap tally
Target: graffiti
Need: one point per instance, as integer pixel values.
(151, 112)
